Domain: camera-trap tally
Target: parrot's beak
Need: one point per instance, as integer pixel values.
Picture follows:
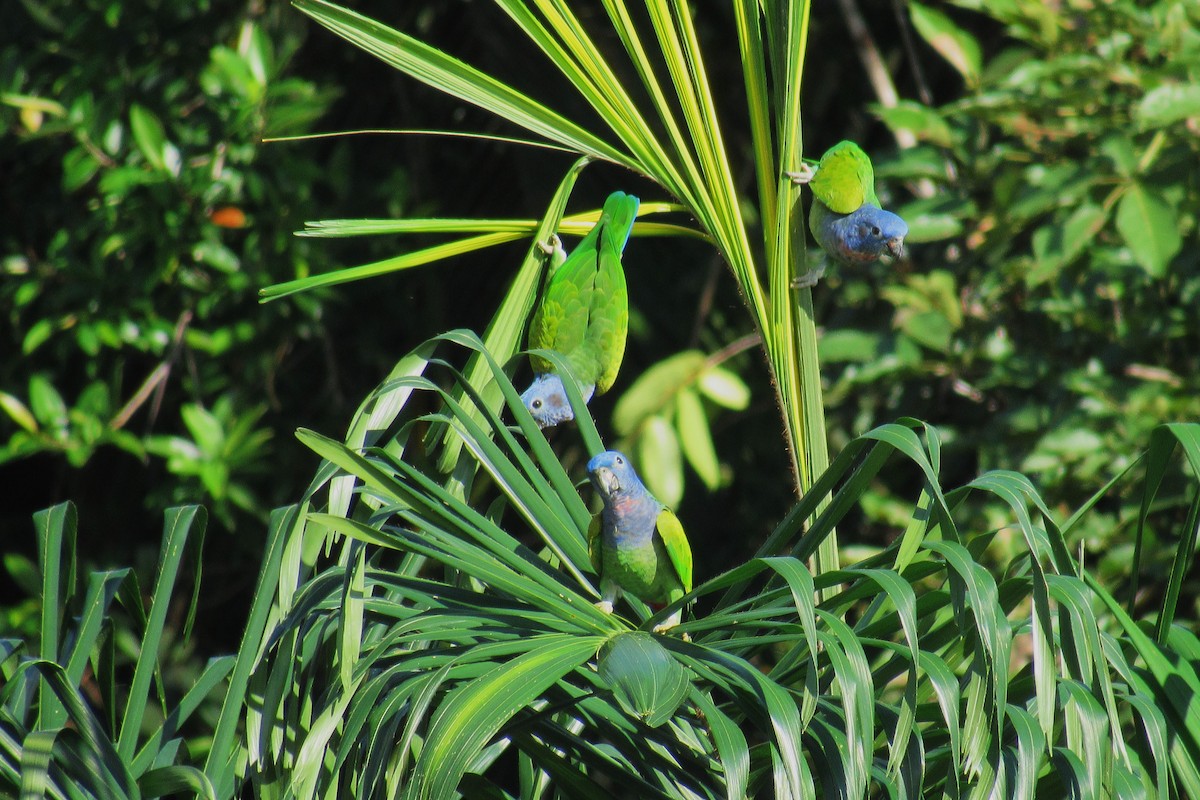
(606, 481)
(896, 247)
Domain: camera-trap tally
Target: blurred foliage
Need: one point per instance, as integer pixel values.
(1044, 320)
(663, 417)
(142, 214)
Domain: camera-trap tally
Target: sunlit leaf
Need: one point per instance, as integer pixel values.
(150, 136)
(952, 42)
(18, 412)
(1167, 104)
(724, 387)
(1149, 226)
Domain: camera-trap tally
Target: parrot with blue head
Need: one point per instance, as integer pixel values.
(637, 544)
(583, 315)
(846, 217)
(861, 236)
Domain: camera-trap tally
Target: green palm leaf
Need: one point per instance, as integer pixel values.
(927, 661)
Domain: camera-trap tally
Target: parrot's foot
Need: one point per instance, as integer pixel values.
(809, 279)
(551, 247)
(669, 622)
(802, 175)
(604, 605)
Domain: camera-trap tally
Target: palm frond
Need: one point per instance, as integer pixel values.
(918, 668)
(677, 140)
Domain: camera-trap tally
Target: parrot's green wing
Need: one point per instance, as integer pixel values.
(560, 322)
(608, 318)
(678, 550)
(844, 179)
(584, 313)
(593, 541)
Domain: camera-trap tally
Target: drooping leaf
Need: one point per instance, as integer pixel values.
(660, 460)
(926, 123)
(696, 438)
(952, 42)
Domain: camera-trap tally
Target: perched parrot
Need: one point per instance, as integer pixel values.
(584, 316)
(846, 218)
(636, 543)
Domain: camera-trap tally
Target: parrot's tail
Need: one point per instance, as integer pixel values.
(620, 209)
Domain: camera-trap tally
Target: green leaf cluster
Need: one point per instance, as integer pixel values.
(663, 418)
(423, 622)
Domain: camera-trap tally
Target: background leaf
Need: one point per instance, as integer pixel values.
(952, 42)
(1167, 104)
(1148, 224)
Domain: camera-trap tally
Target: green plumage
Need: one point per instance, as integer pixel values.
(658, 571)
(637, 544)
(844, 178)
(584, 314)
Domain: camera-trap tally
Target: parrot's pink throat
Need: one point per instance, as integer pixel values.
(621, 503)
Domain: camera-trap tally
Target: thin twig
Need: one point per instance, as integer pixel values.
(155, 382)
(881, 82)
(910, 52)
(707, 295)
(733, 348)
(156, 377)
(877, 74)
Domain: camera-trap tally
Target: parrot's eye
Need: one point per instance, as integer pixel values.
(536, 404)
(875, 230)
(618, 461)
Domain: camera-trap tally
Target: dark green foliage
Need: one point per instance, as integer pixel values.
(142, 213)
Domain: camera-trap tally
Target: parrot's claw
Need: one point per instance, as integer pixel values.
(802, 175)
(605, 605)
(669, 622)
(667, 626)
(551, 247)
(809, 279)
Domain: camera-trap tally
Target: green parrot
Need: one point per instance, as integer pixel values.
(846, 218)
(636, 543)
(584, 316)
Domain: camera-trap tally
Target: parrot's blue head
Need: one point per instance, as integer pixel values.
(864, 235)
(611, 473)
(547, 401)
